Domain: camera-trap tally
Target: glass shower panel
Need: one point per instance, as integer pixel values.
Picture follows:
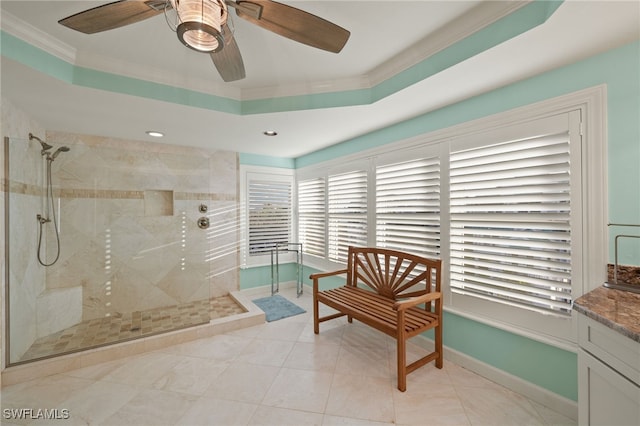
(132, 261)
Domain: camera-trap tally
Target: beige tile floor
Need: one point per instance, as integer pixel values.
(277, 373)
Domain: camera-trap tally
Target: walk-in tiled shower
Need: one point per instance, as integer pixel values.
(116, 223)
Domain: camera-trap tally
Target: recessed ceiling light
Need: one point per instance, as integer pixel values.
(270, 133)
(154, 133)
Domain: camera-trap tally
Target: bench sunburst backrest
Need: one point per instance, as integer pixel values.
(391, 273)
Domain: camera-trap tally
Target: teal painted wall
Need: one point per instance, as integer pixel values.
(544, 365)
(266, 161)
(261, 275)
(618, 69)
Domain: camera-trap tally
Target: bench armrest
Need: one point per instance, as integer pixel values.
(414, 301)
(327, 274)
(317, 276)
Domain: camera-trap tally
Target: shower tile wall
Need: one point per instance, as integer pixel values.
(128, 230)
(128, 255)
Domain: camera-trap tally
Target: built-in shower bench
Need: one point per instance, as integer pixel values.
(394, 292)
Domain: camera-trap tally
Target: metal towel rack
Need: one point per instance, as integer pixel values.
(615, 284)
(275, 265)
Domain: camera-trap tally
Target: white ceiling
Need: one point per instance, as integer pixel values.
(386, 37)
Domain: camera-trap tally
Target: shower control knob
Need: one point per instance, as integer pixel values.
(203, 223)
(203, 208)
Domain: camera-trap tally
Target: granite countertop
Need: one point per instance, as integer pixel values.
(617, 309)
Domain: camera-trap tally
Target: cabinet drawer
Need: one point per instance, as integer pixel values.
(618, 351)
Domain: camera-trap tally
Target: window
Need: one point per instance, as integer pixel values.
(267, 198)
(500, 200)
(408, 206)
(311, 216)
(511, 221)
(515, 222)
(269, 215)
(347, 213)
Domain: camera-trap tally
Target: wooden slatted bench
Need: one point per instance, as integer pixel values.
(392, 292)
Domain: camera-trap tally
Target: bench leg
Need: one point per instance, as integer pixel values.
(438, 345)
(316, 315)
(401, 346)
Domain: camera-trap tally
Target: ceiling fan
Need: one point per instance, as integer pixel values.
(202, 25)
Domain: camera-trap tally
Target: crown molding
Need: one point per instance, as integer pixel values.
(310, 88)
(155, 75)
(37, 38)
(460, 28)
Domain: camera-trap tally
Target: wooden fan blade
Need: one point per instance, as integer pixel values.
(113, 15)
(228, 61)
(297, 25)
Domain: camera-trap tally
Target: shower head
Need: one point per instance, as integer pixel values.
(58, 151)
(45, 146)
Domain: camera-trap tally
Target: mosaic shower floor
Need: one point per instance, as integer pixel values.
(102, 331)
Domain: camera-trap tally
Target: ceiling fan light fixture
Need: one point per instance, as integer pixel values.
(201, 23)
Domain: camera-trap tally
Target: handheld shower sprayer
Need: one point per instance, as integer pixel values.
(50, 208)
(58, 151)
(45, 146)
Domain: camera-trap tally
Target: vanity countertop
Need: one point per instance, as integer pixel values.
(617, 309)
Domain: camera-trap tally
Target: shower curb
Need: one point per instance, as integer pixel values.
(64, 363)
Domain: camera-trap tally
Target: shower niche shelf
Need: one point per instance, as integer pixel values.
(158, 203)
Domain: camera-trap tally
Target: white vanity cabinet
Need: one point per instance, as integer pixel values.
(608, 375)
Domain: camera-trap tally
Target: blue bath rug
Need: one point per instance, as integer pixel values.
(277, 307)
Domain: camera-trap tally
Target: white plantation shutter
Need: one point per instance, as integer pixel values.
(347, 213)
(311, 216)
(519, 225)
(408, 206)
(511, 230)
(269, 211)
